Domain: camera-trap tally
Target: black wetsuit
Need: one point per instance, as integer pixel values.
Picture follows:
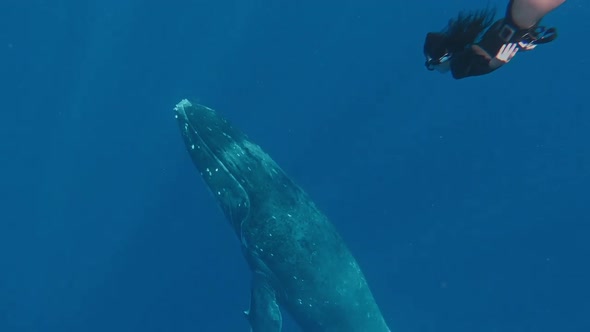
(469, 63)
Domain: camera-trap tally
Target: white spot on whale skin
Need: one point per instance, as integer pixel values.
(192, 147)
(219, 193)
(176, 116)
(208, 171)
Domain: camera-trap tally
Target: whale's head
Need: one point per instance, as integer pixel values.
(237, 171)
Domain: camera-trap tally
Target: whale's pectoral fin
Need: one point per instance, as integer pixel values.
(264, 314)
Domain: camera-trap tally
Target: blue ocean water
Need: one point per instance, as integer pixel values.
(465, 202)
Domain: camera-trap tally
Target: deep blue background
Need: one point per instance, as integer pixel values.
(465, 202)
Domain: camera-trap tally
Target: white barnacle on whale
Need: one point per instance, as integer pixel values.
(208, 171)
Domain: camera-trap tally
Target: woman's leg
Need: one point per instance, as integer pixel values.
(527, 13)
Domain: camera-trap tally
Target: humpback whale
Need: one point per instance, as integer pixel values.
(299, 262)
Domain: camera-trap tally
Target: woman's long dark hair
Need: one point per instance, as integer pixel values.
(464, 29)
(459, 32)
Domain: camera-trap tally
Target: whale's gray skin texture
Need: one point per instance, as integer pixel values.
(299, 262)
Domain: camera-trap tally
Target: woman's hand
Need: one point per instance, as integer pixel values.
(506, 53)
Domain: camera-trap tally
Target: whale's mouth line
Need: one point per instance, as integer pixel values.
(219, 162)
